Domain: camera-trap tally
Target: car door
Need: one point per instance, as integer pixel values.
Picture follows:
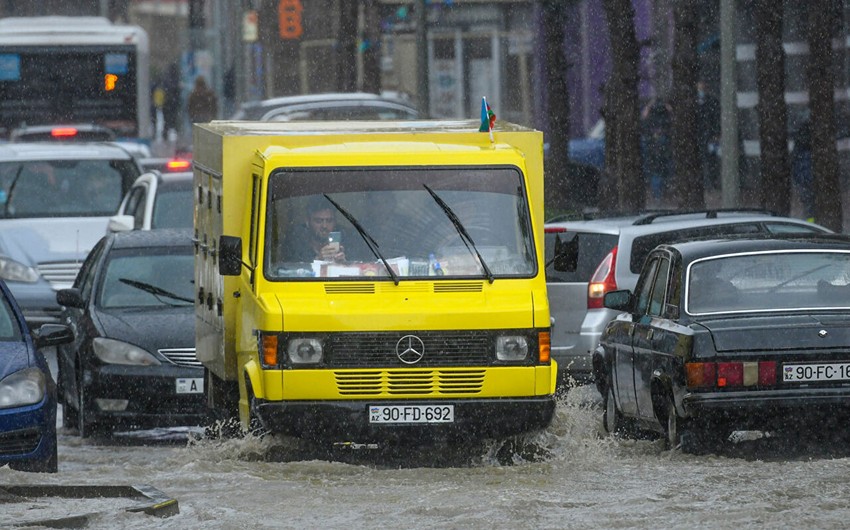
(649, 328)
(624, 355)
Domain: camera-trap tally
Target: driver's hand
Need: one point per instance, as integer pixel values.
(333, 253)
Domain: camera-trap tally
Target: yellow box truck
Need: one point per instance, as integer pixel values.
(372, 281)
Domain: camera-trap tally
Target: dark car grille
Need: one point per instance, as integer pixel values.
(59, 274)
(442, 348)
(181, 356)
(19, 442)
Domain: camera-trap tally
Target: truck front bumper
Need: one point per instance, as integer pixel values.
(349, 420)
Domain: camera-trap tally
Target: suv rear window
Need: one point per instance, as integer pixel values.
(581, 253)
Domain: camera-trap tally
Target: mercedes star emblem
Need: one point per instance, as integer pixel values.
(822, 333)
(410, 349)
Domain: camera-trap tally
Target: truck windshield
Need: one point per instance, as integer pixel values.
(308, 238)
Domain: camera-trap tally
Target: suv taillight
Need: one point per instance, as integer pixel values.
(602, 280)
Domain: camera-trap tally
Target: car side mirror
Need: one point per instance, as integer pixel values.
(52, 335)
(70, 297)
(566, 255)
(230, 256)
(120, 223)
(622, 300)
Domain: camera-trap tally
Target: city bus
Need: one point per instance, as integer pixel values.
(74, 70)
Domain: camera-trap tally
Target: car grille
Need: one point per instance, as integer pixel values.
(59, 274)
(378, 350)
(181, 356)
(19, 442)
(407, 382)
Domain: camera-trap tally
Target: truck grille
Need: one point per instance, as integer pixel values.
(181, 356)
(59, 274)
(409, 382)
(378, 350)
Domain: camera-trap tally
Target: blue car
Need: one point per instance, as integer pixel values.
(27, 390)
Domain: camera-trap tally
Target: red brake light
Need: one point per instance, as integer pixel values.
(63, 132)
(602, 280)
(730, 374)
(177, 165)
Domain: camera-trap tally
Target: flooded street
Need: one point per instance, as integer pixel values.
(565, 477)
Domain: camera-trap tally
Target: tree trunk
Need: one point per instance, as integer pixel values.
(688, 185)
(775, 186)
(823, 15)
(371, 47)
(347, 42)
(559, 188)
(622, 102)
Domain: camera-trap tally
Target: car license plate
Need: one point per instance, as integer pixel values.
(411, 413)
(815, 372)
(190, 385)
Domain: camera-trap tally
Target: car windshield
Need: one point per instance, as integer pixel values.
(9, 329)
(148, 277)
(66, 188)
(769, 281)
(389, 218)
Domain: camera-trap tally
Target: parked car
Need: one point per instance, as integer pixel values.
(587, 258)
(730, 334)
(156, 200)
(27, 390)
(330, 106)
(132, 363)
(74, 132)
(55, 202)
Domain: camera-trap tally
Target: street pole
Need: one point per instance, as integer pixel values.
(422, 89)
(729, 145)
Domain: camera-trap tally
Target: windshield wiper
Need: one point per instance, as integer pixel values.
(461, 230)
(156, 291)
(371, 243)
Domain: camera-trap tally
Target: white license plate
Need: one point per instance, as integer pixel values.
(190, 385)
(411, 413)
(815, 372)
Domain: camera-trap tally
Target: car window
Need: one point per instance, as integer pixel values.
(644, 286)
(791, 228)
(643, 245)
(581, 253)
(85, 277)
(173, 209)
(659, 288)
(9, 328)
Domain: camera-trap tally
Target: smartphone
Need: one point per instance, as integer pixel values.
(334, 238)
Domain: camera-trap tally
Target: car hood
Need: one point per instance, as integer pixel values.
(14, 357)
(779, 332)
(33, 241)
(150, 328)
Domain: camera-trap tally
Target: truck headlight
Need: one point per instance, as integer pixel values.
(25, 387)
(117, 352)
(15, 271)
(304, 351)
(511, 348)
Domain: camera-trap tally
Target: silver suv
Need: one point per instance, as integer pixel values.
(587, 258)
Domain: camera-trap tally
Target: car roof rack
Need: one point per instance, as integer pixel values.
(709, 213)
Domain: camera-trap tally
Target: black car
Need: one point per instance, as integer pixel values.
(132, 363)
(727, 335)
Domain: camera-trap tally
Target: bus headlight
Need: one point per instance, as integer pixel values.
(511, 348)
(304, 351)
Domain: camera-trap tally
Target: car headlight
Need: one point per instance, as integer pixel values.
(15, 271)
(511, 348)
(304, 351)
(26, 387)
(116, 352)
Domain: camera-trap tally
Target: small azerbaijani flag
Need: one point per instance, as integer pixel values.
(488, 118)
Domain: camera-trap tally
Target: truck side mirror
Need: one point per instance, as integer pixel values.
(230, 256)
(70, 297)
(566, 254)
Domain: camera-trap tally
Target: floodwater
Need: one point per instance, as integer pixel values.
(565, 477)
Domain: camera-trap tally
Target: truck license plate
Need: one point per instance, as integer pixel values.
(816, 372)
(411, 413)
(190, 385)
